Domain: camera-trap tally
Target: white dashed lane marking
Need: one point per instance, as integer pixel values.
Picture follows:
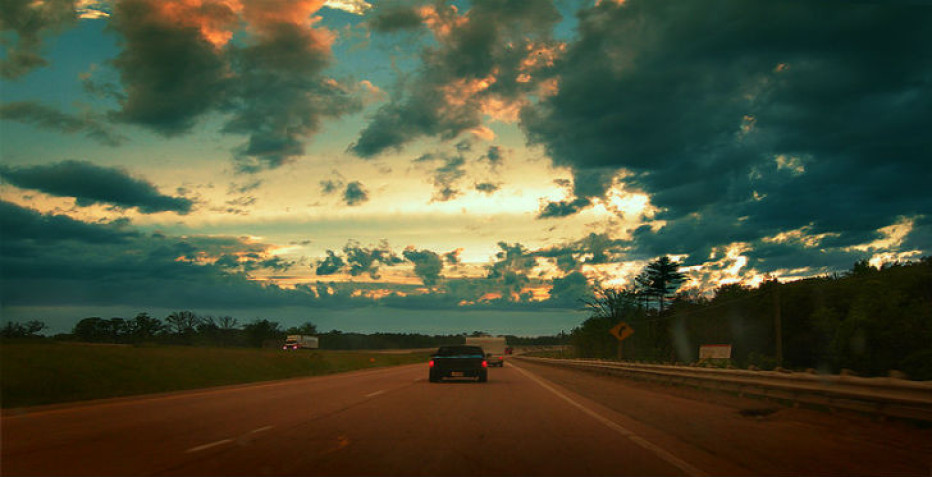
(208, 446)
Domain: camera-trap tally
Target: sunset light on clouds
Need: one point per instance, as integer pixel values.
(297, 159)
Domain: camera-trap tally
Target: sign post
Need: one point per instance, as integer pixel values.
(621, 331)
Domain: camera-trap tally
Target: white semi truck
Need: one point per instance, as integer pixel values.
(494, 347)
(300, 341)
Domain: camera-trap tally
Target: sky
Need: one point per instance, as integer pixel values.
(437, 166)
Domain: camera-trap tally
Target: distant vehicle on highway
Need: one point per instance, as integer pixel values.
(293, 342)
(459, 361)
(494, 347)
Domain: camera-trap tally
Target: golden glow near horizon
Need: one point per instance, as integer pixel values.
(892, 237)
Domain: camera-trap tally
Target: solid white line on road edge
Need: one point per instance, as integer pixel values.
(659, 451)
(375, 393)
(261, 429)
(208, 446)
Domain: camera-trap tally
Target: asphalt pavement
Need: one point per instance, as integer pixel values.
(526, 420)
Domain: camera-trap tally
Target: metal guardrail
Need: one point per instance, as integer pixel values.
(887, 397)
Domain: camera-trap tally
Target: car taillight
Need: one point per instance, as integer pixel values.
(431, 363)
(485, 364)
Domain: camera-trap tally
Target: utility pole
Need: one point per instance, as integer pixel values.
(777, 324)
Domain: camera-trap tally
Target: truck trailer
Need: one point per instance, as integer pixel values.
(293, 342)
(494, 347)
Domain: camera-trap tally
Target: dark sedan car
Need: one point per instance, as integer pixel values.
(459, 361)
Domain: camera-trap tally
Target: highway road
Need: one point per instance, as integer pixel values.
(527, 420)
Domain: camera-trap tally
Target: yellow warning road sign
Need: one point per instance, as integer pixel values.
(621, 331)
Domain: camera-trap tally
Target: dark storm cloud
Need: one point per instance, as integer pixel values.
(54, 120)
(388, 17)
(358, 260)
(333, 263)
(513, 263)
(177, 65)
(91, 184)
(745, 119)
(26, 225)
(27, 21)
(171, 75)
(593, 249)
(355, 194)
(52, 260)
(281, 95)
(427, 264)
(444, 98)
(563, 208)
(570, 289)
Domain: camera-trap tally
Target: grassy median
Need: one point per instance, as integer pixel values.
(55, 372)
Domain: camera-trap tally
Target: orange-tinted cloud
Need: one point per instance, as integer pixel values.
(215, 19)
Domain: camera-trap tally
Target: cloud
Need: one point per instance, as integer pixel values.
(91, 184)
(487, 187)
(510, 270)
(281, 92)
(476, 70)
(390, 17)
(52, 260)
(355, 194)
(563, 208)
(446, 176)
(453, 257)
(52, 119)
(28, 21)
(170, 70)
(329, 186)
(26, 225)
(358, 7)
(593, 249)
(739, 131)
(179, 61)
(330, 265)
(358, 260)
(495, 156)
(427, 264)
(570, 289)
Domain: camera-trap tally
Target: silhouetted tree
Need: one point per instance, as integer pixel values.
(259, 331)
(145, 328)
(119, 330)
(182, 322)
(611, 303)
(664, 279)
(29, 329)
(731, 291)
(307, 328)
(93, 329)
(860, 268)
(642, 287)
(608, 307)
(227, 323)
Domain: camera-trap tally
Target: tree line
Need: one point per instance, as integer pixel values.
(868, 320)
(189, 328)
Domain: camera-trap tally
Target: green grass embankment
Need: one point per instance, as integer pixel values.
(56, 372)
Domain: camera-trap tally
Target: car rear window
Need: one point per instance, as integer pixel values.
(455, 350)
